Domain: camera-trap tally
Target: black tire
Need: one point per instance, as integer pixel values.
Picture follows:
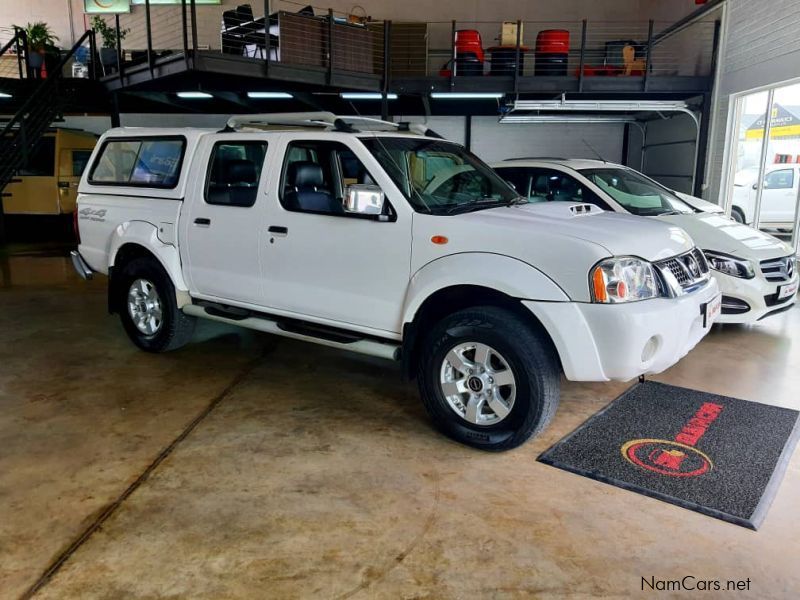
(176, 328)
(737, 214)
(531, 358)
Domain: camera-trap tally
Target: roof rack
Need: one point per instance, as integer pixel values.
(323, 120)
(536, 158)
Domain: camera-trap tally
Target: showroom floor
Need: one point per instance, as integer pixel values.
(316, 473)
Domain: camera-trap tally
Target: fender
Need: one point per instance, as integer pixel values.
(505, 274)
(145, 234)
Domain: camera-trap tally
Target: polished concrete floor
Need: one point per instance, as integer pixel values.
(316, 475)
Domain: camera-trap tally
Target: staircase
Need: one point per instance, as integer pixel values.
(46, 99)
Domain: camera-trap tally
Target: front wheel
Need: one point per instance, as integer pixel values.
(737, 214)
(148, 309)
(488, 379)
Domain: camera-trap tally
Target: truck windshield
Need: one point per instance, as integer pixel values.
(439, 177)
(636, 193)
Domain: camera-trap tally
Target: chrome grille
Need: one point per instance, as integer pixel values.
(688, 270)
(778, 269)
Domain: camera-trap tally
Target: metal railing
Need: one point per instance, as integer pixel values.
(333, 42)
(14, 54)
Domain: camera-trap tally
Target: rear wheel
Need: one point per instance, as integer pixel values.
(488, 379)
(148, 309)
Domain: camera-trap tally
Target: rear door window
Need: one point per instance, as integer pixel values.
(146, 162)
(234, 172)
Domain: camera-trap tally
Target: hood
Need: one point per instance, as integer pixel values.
(619, 234)
(723, 234)
(700, 204)
(563, 240)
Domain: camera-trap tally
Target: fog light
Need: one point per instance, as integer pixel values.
(650, 348)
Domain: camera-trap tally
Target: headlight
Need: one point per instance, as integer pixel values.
(623, 279)
(735, 267)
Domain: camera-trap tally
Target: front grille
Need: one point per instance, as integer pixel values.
(688, 270)
(778, 269)
(773, 300)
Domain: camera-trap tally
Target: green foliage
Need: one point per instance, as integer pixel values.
(108, 33)
(40, 36)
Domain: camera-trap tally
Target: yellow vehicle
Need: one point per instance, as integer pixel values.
(48, 183)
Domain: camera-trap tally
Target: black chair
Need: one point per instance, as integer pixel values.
(233, 41)
(250, 29)
(304, 183)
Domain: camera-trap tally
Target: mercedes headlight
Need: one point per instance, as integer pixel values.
(735, 267)
(623, 279)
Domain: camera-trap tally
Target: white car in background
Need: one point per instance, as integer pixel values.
(778, 198)
(755, 271)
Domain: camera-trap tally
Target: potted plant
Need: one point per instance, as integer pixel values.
(41, 41)
(108, 51)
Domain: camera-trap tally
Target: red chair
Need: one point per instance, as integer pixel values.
(469, 52)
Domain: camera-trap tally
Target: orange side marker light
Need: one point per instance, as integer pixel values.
(439, 239)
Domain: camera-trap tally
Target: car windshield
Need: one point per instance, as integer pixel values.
(439, 177)
(636, 193)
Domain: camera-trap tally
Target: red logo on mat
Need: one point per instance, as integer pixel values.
(678, 457)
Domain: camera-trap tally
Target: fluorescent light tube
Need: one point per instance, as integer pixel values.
(466, 95)
(269, 95)
(194, 95)
(366, 96)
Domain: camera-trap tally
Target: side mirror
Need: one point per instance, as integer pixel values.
(364, 199)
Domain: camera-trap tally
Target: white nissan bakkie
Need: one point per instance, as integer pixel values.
(385, 239)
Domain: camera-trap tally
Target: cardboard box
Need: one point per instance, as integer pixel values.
(508, 33)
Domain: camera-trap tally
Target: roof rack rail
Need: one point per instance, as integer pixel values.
(323, 120)
(535, 158)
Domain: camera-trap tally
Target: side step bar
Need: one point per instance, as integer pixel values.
(292, 329)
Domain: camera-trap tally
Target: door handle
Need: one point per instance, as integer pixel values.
(202, 222)
(278, 230)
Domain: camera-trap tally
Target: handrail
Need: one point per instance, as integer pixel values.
(20, 40)
(10, 42)
(50, 81)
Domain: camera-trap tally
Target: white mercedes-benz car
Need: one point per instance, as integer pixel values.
(755, 271)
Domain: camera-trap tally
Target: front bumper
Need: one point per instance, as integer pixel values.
(602, 342)
(758, 293)
(80, 265)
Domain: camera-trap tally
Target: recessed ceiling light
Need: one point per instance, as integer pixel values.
(194, 95)
(466, 95)
(366, 96)
(270, 95)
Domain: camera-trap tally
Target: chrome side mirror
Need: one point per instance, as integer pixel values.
(364, 199)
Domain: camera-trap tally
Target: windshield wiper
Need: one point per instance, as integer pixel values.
(476, 205)
(518, 200)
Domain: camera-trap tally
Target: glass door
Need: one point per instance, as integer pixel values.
(763, 188)
(781, 180)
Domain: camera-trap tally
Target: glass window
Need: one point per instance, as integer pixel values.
(779, 180)
(519, 177)
(546, 185)
(41, 160)
(80, 158)
(636, 193)
(234, 173)
(440, 177)
(147, 162)
(316, 175)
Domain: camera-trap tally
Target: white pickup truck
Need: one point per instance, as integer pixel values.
(385, 239)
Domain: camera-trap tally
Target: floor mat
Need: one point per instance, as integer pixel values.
(717, 455)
